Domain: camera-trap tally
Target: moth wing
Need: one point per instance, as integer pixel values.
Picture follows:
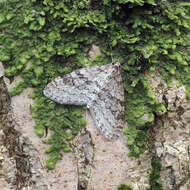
(108, 108)
(79, 87)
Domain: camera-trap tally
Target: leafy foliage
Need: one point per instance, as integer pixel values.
(42, 39)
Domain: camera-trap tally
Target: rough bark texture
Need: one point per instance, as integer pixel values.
(83, 148)
(20, 166)
(170, 136)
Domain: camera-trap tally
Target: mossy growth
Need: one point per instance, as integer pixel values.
(154, 176)
(124, 187)
(42, 39)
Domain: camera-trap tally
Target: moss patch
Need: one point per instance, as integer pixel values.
(154, 176)
(124, 187)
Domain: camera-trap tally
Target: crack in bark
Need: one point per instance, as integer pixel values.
(12, 139)
(83, 149)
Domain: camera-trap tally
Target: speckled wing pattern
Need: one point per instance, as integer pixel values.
(98, 87)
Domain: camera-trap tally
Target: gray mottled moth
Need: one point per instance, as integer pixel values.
(100, 88)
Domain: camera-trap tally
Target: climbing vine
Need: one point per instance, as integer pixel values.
(42, 39)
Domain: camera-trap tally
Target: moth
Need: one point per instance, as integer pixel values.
(100, 88)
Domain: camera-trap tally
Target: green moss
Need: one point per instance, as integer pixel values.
(42, 39)
(20, 86)
(39, 129)
(124, 187)
(154, 176)
(52, 159)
